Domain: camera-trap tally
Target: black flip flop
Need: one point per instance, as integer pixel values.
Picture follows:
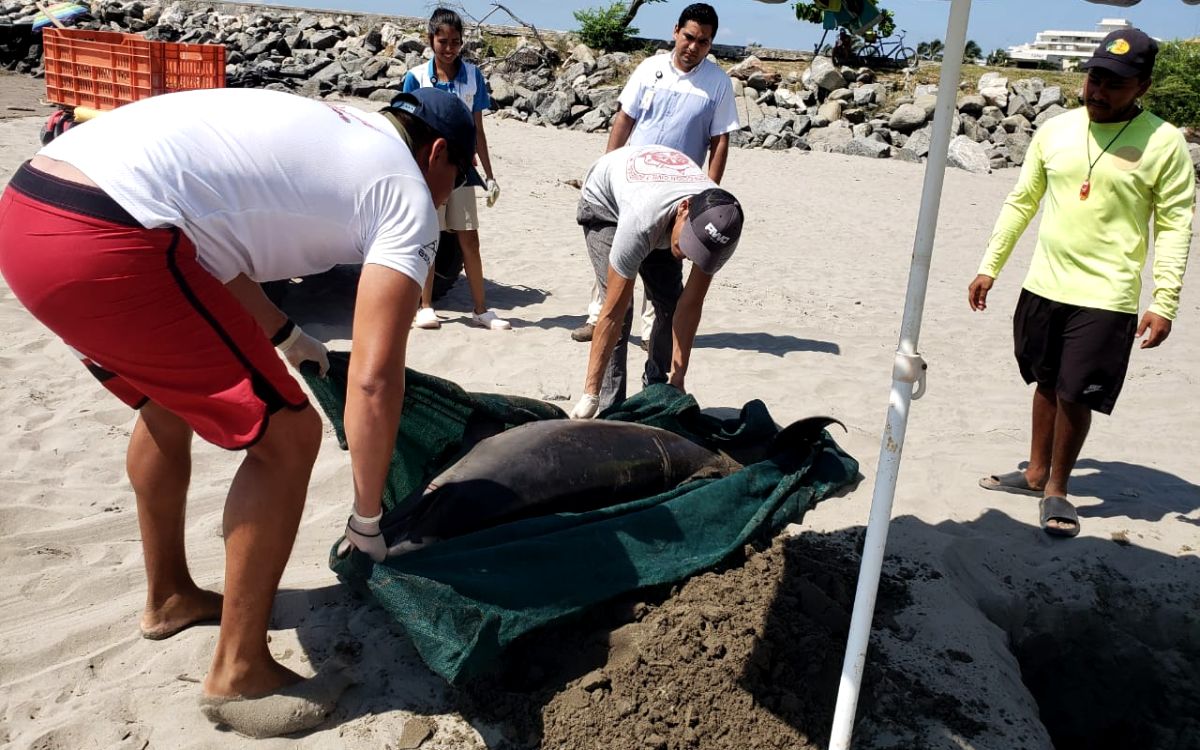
(1013, 481)
(1056, 508)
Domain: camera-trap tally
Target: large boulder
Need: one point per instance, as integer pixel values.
(1018, 144)
(503, 93)
(972, 104)
(1049, 112)
(907, 118)
(825, 74)
(830, 139)
(969, 155)
(867, 147)
(830, 111)
(918, 142)
(994, 88)
(869, 93)
(1050, 96)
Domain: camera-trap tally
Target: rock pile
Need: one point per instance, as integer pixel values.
(827, 108)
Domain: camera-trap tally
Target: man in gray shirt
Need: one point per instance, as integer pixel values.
(643, 210)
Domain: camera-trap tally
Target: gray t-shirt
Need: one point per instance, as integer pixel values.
(641, 186)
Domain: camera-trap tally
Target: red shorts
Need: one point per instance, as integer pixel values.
(148, 321)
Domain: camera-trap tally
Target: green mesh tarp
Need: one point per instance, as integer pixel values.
(463, 600)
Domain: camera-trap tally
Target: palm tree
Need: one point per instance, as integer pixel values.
(972, 52)
(998, 58)
(930, 50)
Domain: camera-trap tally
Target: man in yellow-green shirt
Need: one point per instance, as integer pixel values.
(1105, 171)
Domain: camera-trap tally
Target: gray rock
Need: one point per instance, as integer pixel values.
(1015, 123)
(1018, 144)
(558, 110)
(1194, 151)
(841, 95)
(582, 53)
(385, 95)
(862, 130)
(869, 93)
(989, 123)
(925, 89)
(918, 142)
(754, 112)
(787, 98)
(830, 139)
(769, 126)
(867, 147)
(503, 92)
(323, 39)
(972, 104)
(1017, 105)
(825, 74)
(830, 111)
(1049, 112)
(410, 43)
(854, 115)
(1051, 96)
(1024, 89)
(605, 95)
(907, 117)
(903, 154)
(969, 155)
(999, 137)
(801, 124)
(927, 103)
(593, 121)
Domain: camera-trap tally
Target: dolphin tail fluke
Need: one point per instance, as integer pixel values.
(798, 438)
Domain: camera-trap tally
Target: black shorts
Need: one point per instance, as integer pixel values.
(1080, 352)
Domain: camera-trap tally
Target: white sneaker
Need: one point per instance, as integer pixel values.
(427, 318)
(488, 319)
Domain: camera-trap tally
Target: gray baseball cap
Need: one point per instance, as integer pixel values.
(713, 229)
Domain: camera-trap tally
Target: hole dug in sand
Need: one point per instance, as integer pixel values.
(1122, 673)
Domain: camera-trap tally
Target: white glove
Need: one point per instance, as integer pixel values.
(363, 534)
(297, 346)
(586, 408)
(493, 192)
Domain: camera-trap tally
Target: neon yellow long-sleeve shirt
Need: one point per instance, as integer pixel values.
(1091, 252)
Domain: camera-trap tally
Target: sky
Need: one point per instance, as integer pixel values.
(994, 23)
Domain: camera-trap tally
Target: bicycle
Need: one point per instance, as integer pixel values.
(888, 52)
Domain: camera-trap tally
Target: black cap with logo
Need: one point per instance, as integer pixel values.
(1128, 53)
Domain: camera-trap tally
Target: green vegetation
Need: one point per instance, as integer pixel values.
(1175, 95)
(807, 11)
(609, 27)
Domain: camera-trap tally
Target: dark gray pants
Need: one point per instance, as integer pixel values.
(662, 276)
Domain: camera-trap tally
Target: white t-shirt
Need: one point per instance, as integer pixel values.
(264, 183)
(683, 111)
(642, 186)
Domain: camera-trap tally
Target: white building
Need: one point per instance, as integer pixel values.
(1065, 49)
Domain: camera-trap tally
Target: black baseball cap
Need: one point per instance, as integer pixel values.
(446, 115)
(1128, 53)
(713, 229)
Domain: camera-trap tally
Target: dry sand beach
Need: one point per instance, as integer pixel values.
(982, 617)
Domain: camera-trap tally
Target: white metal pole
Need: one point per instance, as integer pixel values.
(907, 371)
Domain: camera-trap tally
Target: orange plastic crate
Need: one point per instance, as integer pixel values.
(105, 69)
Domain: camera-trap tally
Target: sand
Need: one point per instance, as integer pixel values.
(982, 615)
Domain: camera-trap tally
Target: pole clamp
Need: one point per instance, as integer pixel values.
(910, 368)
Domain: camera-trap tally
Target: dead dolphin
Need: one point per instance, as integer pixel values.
(563, 466)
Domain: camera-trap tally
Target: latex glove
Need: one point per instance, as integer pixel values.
(299, 347)
(363, 534)
(586, 408)
(493, 192)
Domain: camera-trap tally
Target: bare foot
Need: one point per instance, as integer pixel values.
(249, 682)
(294, 707)
(180, 612)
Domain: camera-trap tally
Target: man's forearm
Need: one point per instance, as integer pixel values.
(718, 153)
(372, 419)
(685, 324)
(622, 126)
